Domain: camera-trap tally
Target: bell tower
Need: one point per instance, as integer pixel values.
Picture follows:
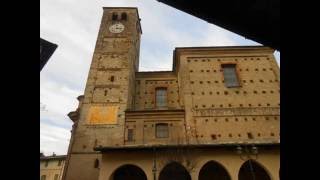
(115, 61)
(108, 94)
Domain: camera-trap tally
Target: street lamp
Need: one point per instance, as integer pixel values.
(247, 153)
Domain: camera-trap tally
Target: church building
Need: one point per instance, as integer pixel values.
(216, 115)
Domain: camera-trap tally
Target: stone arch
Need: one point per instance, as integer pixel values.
(213, 170)
(174, 171)
(253, 170)
(128, 171)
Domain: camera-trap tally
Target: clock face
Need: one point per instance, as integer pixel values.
(116, 28)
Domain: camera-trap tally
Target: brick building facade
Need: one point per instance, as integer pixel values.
(215, 115)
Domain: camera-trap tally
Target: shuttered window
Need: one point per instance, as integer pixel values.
(162, 130)
(230, 75)
(130, 134)
(161, 97)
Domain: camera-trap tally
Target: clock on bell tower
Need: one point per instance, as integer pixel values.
(116, 28)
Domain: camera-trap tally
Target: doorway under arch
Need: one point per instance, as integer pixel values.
(252, 170)
(213, 170)
(128, 171)
(174, 171)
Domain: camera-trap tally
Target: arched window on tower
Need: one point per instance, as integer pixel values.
(114, 16)
(124, 16)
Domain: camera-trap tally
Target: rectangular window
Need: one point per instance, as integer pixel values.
(230, 75)
(130, 134)
(46, 164)
(162, 130)
(161, 97)
(56, 176)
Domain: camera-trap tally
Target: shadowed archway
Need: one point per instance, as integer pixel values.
(174, 171)
(252, 170)
(212, 170)
(128, 172)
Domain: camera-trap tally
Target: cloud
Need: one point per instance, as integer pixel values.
(74, 25)
(53, 139)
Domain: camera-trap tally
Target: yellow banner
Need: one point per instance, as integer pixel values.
(103, 115)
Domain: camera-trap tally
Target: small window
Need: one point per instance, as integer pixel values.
(96, 163)
(130, 134)
(250, 136)
(59, 163)
(230, 75)
(213, 136)
(56, 176)
(43, 177)
(112, 78)
(162, 130)
(161, 97)
(114, 16)
(124, 16)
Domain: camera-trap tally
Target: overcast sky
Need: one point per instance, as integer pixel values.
(73, 25)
